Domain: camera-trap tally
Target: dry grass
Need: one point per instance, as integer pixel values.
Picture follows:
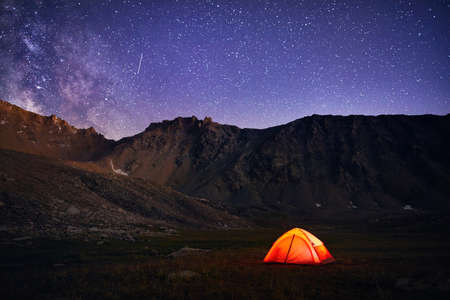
(368, 266)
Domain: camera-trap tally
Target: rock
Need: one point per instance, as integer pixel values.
(73, 229)
(72, 210)
(23, 238)
(185, 275)
(187, 251)
(129, 237)
(168, 230)
(58, 265)
(402, 283)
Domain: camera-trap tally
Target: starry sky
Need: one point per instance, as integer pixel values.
(120, 65)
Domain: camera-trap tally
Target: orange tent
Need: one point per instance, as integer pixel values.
(298, 246)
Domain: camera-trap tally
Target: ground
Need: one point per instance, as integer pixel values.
(393, 262)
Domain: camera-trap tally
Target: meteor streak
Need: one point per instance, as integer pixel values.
(140, 62)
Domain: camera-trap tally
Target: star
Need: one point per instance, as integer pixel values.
(119, 65)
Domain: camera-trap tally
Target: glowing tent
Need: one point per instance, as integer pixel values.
(298, 246)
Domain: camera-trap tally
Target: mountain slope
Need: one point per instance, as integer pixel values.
(46, 197)
(319, 166)
(24, 131)
(313, 164)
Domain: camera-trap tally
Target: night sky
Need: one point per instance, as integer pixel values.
(119, 65)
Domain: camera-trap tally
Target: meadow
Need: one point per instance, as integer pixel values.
(371, 263)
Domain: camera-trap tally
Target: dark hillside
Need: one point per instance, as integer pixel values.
(315, 165)
(41, 197)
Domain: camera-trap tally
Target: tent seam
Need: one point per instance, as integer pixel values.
(289, 250)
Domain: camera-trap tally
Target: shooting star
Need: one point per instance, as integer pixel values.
(140, 62)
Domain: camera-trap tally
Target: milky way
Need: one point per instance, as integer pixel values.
(119, 65)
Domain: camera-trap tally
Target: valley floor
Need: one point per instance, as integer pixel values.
(387, 263)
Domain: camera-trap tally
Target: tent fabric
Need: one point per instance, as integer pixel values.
(298, 246)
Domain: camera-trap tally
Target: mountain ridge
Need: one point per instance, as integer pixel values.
(59, 192)
(320, 165)
(49, 136)
(194, 158)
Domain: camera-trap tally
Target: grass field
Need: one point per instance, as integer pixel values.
(389, 263)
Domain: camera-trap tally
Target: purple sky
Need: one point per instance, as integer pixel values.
(247, 63)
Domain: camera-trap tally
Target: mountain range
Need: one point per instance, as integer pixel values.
(202, 173)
